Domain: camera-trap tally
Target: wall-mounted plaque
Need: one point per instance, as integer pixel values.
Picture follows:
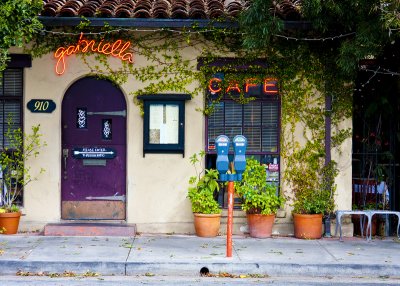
(41, 105)
(164, 123)
(94, 153)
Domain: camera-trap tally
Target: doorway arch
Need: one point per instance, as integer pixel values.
(93, 124)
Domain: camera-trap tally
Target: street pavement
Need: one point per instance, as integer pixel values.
(152, 256)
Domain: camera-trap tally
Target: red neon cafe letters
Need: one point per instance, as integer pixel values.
(270, 85)
(116, 49)
(214, 82)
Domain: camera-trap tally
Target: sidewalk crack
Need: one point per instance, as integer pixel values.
(28, 252)
(331, 254)
(129, 253)
(237, 253)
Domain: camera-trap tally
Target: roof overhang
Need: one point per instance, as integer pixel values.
(154, 23)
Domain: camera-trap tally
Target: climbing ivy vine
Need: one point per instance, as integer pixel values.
(165, 60)
(18, 25)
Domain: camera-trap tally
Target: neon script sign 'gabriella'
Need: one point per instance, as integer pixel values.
(116, 49)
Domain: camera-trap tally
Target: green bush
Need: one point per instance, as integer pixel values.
(313, 191)
(16, 174)
(203, 187)
(258, 196)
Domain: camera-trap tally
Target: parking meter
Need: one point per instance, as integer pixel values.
(222, 145)
(239, 147)
(239, 160)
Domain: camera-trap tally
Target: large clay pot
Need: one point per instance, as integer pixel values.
(307, 226)
(9, 222)
(207, 225)
(260, 226)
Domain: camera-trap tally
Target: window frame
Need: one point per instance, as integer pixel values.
(20, 62)
(265, 157)
(243, 126)
(11, 98)
(164, 99)
(222, 66)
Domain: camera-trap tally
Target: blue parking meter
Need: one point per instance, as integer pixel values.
(222, 145)
(239, 161)
(239, 147)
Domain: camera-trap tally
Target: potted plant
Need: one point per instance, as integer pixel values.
(15, 175)
(313, 192)
(202, 191)
(259, 199)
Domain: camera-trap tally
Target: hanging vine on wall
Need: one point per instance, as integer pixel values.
(170, 64)
(303, 108)
(167, 68)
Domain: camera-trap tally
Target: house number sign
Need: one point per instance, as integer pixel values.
(41, 105)
(94, 153)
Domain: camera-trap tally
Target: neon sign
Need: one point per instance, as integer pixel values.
(116, 49)
(269, 85)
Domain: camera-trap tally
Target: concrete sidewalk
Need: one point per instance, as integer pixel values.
(188, 255)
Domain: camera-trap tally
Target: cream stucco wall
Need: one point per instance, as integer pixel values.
(344, 179)
(157, 183)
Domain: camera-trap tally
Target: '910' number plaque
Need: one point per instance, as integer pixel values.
(41, 105)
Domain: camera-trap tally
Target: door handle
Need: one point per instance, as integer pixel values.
(65, 156)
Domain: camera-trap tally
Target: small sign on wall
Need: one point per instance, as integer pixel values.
(94, 153)
(41, 105)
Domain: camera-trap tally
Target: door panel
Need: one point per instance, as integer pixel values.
(94, 151)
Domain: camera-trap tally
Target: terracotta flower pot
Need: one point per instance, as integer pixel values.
(9, 222)
(307, 226)
(207, 225)
(260, 226)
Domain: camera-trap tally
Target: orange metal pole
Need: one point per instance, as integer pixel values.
(230, 220)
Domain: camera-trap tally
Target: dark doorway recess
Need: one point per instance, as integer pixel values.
(376, 132)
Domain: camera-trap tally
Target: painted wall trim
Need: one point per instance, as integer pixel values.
(155, 23)
(20, 61)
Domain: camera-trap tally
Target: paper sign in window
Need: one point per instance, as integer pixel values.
(164, 124)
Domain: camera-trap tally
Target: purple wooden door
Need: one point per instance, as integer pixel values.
(93, 151)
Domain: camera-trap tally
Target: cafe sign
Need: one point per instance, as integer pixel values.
(269, 86)
(118, 49)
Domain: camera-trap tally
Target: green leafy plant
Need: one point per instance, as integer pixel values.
(18, 25)
(313, 190)
(203, 187)
(16, 174)
(310, 201)
(258, 196)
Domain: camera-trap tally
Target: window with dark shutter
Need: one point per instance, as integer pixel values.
(11, 92)
(258, 121)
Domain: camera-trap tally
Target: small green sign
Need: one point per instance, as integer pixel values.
(41, 105)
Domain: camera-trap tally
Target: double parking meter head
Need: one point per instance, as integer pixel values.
(222, 145)
(239, 160)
